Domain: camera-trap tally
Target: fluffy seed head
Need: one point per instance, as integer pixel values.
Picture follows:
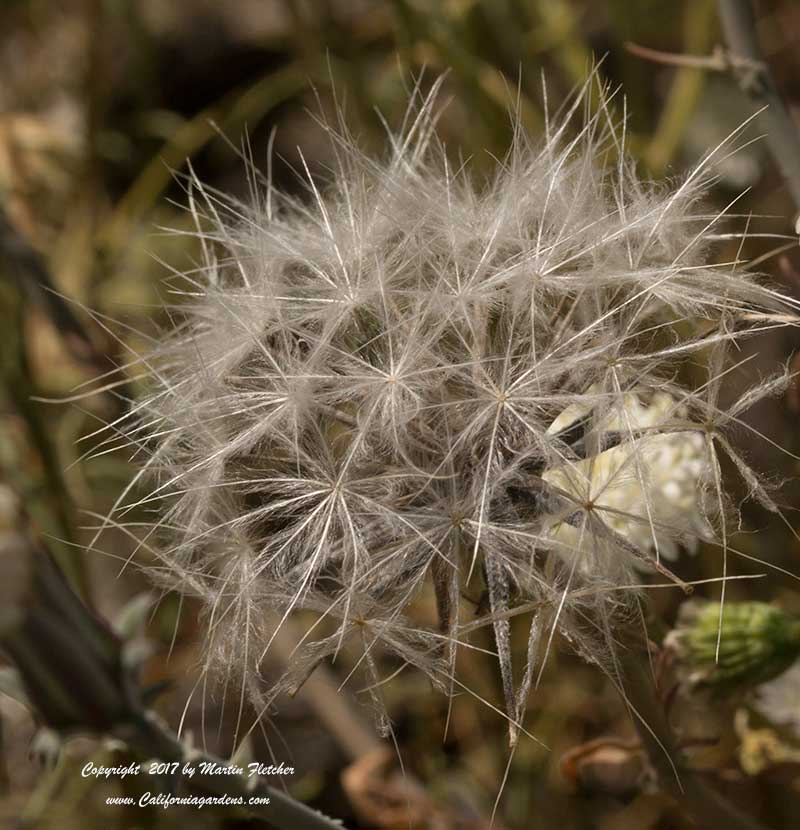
(410, 379)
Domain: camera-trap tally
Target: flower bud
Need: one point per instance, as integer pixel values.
(757, 642)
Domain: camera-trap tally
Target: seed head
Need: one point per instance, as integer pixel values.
(413, 381)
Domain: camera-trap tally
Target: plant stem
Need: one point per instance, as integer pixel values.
(755, 79)
(710, 808)
(76, 675)
(149, 739)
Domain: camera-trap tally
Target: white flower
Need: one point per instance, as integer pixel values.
(652, 490)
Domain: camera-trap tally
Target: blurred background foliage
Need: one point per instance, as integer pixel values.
(102, 102)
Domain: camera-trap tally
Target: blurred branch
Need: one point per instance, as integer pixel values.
(739, 29)
(76, 675)
(744, 61)
(707, 806)
(718, 61)
(25, 266)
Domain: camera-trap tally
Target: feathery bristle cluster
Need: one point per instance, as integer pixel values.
(410, 379)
